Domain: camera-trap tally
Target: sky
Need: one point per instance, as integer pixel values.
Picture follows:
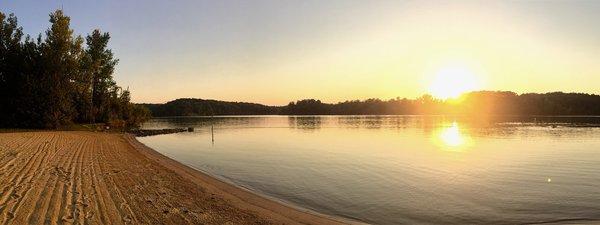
(277, 51)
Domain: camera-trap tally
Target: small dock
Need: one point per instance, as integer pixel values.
(152, 132)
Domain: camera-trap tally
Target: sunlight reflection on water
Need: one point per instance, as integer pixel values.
(453, 138)
(403, 169)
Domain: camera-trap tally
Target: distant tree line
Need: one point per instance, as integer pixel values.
(201, 107)
(480, 102)
(56, 80)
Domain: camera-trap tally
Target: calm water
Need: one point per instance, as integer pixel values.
(403, 169)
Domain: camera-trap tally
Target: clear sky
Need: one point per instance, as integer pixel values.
(277, 51)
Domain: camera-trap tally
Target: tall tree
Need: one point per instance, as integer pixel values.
(61, 53)
(99, 65)
(10, 47)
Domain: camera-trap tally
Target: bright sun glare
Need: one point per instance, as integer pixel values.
(451, 136)
(452, 81)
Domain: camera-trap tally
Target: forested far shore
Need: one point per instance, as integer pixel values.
(477, 102)
(58, 78)
(202, 107)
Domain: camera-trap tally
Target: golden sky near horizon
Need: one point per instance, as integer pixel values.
(273, 52)
(404, 53)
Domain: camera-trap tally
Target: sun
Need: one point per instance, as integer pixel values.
(452, 81)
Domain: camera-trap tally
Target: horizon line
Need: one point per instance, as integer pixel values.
(375, 98)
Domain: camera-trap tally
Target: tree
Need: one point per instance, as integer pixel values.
(99, 65)
(61, 54)
(10, 52)
(53, 82)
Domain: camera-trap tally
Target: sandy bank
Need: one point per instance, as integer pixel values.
(101, 178)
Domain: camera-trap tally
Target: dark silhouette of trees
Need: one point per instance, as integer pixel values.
(201, 107)
(10, 61)
(99, 65)
(509, 103)
(473, 103)
(308, 107)
(55, 81)
(61, 53)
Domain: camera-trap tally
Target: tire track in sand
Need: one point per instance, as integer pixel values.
(20, 181)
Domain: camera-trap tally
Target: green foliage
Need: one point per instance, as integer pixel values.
(56, 81)
(135, 115)
(61, 53)
(99, 65)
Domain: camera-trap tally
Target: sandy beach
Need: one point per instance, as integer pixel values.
(77, 177)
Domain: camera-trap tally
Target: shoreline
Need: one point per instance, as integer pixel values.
(83, 177)
(240, 196)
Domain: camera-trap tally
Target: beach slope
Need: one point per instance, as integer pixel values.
(73, 177)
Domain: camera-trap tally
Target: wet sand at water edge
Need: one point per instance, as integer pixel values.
(75, 177)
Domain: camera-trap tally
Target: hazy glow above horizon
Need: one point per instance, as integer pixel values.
(274, 52)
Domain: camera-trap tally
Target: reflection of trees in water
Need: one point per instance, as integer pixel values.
(480, 126)
(305, 122)
(370, 122)
(203, 122)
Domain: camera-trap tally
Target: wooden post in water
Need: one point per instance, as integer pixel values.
(212, 124)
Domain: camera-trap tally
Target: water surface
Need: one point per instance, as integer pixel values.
(403, 169)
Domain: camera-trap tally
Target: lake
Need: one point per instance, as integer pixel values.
(403, 169)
